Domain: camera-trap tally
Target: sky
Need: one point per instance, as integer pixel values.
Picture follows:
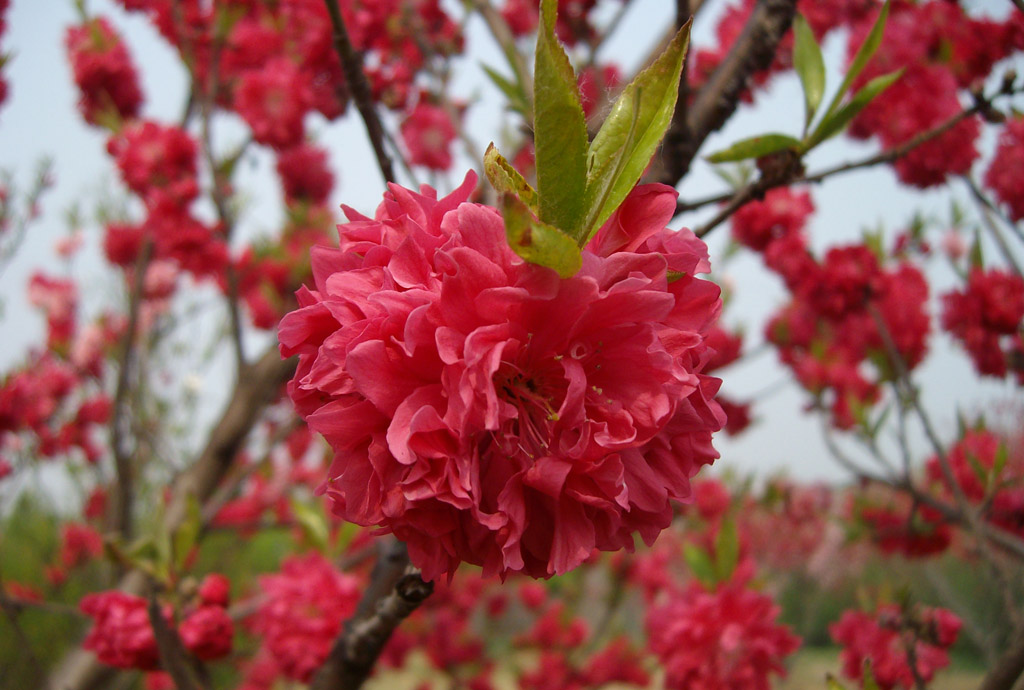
(39, 120)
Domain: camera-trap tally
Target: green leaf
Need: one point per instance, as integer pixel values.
(810, 67)
(868, 681)
(559, 130)
(313, 524)
(187, 533)
(538, 242)
(512, 90)
(1002, 455)
(832, 124)
(727, 550)
(860, 60)
(700, 564)
(631, 133)
(976, 257)
(506, 180)
(979, 470)
(755, 147)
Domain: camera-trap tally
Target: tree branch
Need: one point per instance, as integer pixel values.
(395, 591)
(174, 658)
(1008, 669)
(256, 387)
(352, 64)
(717, 99)
(120, 517)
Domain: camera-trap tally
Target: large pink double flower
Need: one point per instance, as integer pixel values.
(483, 409)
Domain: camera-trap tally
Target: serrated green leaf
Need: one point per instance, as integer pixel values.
(313, 524)
(700, 564)
(631, 133)
(506, 180)
(834, 123)
(538, 242)
(187, 533)
(860, 60)
(559, 130)
(727, 550)
(809, 66)
(755, 147)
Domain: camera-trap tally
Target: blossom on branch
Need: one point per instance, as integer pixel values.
(726, 639)
(484, 410)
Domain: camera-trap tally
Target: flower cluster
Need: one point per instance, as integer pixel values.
(485, 411)
(942, 50)
(302, 611)
(782, 213)
(885, 637)
(1005, 174)
(988, 473)
(104, 72)
(727, 638)
(428, 133)
(122, 635)
(847, 310)
(987, 317)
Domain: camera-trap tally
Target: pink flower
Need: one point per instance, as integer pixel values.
(485, 411)
(208, 633)
(884, 638)
(727, 639)
(304, 174)
(782, 213)
(274, 100)
(302, 613)
(215, 590)
(428, 134)
(985, 316)
(156, 162)
(103, 71)
(1005, 174)
(79, 544)
(121, 634)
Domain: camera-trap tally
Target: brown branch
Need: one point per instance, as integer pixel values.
(717, 99)
(757, 189)
(120, 517)
(183, 668)
(256, 387)
(1009, 668)
(352, 65)
(395, 591)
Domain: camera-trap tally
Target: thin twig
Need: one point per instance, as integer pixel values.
(352, 64)
(987, 209)
(757, 188)
(121, 516)
(12, 612)
(174, 658)
(220, 203)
